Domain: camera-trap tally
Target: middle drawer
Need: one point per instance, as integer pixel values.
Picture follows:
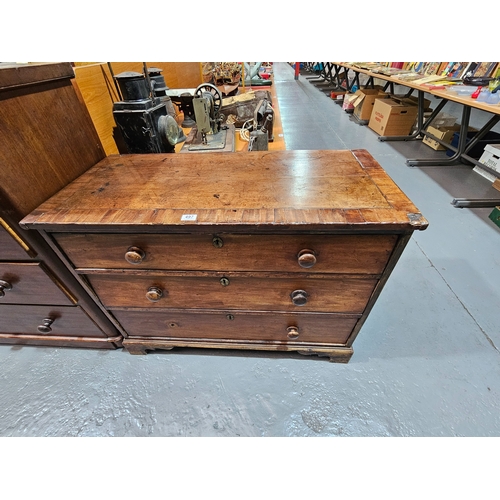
(31, 283)
(319, 294)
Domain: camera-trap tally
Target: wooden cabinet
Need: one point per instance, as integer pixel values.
(279, 251)
(46, 141)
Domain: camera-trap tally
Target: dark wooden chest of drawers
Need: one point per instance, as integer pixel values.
(38, 307)
(46, 141)
(281, 251)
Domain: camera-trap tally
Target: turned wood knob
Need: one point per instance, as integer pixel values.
(299, 297)
(4, 285)
(306, 258)
(154, 294)
(45, 326)
(293, 332)
(135, 255)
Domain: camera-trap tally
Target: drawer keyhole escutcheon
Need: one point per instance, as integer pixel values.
(293, 332)
(299, 297)
(4, 285)
(154, 294)
(45, 326)
(135, 255)
(224, 282)
(217, 242)
(306, 258)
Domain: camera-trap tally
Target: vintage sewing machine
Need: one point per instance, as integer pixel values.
(209, 133)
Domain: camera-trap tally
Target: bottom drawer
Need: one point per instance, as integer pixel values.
(77, 342)
(47, 320)
(241, 326)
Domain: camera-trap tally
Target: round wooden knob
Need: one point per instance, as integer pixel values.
(135, 255)
(293, 332)
(306, 258)
(4, 285)
(154, 294)
(299, 297)
(45, 326)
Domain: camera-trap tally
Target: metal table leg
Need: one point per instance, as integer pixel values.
(475, 203)
(316, 77)
(462, 141)
(329, 84)
(356, 79)
(463, 146)
(338, 76)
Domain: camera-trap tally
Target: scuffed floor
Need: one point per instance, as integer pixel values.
(426, 362)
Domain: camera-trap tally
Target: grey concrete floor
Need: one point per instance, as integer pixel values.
(426, 362)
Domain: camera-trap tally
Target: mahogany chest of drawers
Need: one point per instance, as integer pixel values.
(277, 251)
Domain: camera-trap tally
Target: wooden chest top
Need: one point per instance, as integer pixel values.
(321, 190)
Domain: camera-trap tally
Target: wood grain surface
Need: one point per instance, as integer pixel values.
(98, 92)
(68, 320)
(51, 142)
(238, 325)
(31, 283)
(313, 189)
(336, 354)
(334, 253)
(346, 295)
(61, 341)
(22, 75)
(12, 248)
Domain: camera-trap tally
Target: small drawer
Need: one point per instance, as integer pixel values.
(47, 320)
(346, 295)
(364, 254)
(239, 326)
(29, 283)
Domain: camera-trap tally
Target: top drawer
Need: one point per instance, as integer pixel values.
(364, 254)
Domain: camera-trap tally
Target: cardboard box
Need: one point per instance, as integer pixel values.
(412, 100)
(490, 158)
(392, 117)
(443, 133)
(363, 105)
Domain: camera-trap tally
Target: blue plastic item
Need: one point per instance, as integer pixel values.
(493, 98)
